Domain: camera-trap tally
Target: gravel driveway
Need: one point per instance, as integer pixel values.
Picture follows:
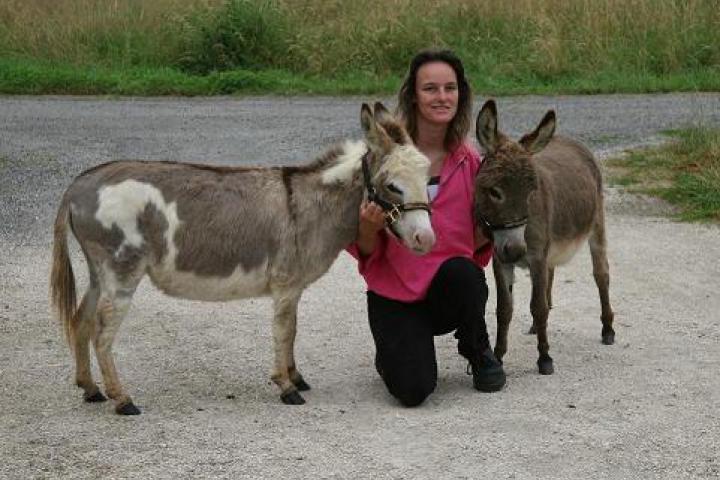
(647, 407)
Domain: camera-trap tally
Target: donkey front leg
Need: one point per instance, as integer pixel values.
(504, 279)
(540, 310)
(551, 276)
(285, 374)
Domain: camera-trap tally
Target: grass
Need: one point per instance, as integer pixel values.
(34, 77)
(193, 47)
(685, 172)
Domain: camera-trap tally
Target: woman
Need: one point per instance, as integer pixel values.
(413, 298)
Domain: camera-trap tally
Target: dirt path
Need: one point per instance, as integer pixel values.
(647, 407)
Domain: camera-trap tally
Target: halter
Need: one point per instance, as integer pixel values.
(392, 211)
(495, 227)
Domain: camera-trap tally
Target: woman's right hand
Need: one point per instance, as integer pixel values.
(372, 220)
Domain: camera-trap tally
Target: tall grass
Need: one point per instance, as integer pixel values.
(513, 41)
(116, 33)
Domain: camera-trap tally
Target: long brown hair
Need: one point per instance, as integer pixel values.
(407, 106)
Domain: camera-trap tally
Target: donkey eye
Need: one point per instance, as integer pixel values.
(496, 195)
(391, 187)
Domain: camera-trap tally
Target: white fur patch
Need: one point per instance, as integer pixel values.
(121, 205)
(347, 163)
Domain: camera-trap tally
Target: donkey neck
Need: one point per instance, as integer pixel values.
(326, 202)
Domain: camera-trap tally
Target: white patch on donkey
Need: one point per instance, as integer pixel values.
(122, 204)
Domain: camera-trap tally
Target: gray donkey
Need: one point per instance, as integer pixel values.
(221, 233)
(540, 199)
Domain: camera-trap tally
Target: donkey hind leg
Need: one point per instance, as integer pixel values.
(504, 279)
(601, 272)
(285, 374)
(551, 277)
(81, 330)
(539, 310)
(112, 309)
(114, 302)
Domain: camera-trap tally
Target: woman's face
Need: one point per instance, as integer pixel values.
(436, 93)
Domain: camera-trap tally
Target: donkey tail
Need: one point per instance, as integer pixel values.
(62, 280)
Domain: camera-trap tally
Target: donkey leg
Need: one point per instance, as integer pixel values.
(539, 310)
(551, 277)
(81, 329)
(284, 325)
(111, 312)
(295, 377)
(504, 279)
(601, 272)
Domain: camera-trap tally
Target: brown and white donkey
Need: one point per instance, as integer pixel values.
(540, 198)
(220, 233)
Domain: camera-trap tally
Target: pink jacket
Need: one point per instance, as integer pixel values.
(393, 271)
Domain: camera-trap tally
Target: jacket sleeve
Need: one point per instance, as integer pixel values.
(366, 262)
(483, 255)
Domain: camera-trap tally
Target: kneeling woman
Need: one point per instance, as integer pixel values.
(413, 298)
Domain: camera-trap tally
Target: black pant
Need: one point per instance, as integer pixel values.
(403, 332)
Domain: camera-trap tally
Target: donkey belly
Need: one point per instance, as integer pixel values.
(185, 284)
(562, 251)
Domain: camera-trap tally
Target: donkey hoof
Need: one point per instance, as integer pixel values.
(127, 409)
(94, 398)
(608, 338)
(301, 385)
(545, 366)
(292, 398)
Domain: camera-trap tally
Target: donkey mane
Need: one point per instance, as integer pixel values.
(315, 165)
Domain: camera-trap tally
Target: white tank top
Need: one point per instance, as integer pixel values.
(433, 187)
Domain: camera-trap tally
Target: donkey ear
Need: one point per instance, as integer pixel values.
(486, 128)
(381, 113)
(540, 137)
(366, 118)
(375, 134)
(392, 127)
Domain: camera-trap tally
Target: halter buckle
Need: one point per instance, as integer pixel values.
(393, 215)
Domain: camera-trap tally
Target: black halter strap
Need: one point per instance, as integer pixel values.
(393, 211)
(494, 227)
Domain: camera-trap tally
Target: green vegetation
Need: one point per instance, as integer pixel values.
(333, 46)
(685, 172)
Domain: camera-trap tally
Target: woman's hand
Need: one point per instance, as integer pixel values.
(480, 239)
(372, 220)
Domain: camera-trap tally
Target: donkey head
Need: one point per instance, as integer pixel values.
(506, 181)
(396, 178)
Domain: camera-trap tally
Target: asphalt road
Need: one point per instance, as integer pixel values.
(647, 407)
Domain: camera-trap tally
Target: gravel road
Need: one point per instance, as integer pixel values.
(647, 407)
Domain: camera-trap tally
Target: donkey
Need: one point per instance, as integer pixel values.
(539, 199)
(220, 233)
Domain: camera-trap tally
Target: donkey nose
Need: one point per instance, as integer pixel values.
(424, 240)
(514, 252)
